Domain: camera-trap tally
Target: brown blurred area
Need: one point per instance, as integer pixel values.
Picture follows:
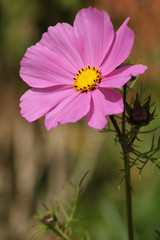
(145, 21)
(34, 163)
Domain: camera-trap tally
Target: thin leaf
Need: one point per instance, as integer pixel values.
(37, 234)
(149, 131)
(64, 212)
(64, 202)
(107, 130)
(82, 179)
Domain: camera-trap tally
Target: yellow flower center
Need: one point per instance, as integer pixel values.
(87, 78)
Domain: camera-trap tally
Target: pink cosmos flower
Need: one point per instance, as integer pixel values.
(73, 69)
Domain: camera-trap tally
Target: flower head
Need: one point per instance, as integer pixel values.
(73, 69)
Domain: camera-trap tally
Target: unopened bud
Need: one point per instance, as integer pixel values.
(48, 218)
(139, 115)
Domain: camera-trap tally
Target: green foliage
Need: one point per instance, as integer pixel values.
(139, 114)
(144, 157)
(60, 216)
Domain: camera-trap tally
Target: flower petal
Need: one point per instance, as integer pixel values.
(37, 102)
(111, 101)
(120, 49)
(96, 116)
(71, 109)
(104, 102)
(61, 39)
(122, 75)
(94, 32)
(41, 68)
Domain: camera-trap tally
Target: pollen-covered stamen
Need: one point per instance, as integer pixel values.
(87, 78)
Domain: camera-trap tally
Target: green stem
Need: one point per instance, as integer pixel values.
(127, 170)
(128, 196)
(60, 233)
(125, 148)
(70, 218)
(114, 122)
(131, 141)
(124, 112)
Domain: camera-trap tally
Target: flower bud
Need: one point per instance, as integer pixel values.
(48, 218)
(139, 115)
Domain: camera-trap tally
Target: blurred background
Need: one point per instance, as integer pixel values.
(35, 164)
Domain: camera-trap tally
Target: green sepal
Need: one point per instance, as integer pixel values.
(137, 101)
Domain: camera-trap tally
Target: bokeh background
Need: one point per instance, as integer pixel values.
(35, 164)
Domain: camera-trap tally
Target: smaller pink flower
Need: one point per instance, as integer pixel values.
(73, 71)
